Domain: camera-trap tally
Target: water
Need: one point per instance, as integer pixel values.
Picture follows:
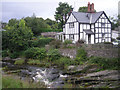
(51, 77)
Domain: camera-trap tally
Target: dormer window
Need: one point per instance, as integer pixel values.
(71, 25)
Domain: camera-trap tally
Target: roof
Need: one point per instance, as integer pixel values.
(88, 31)
(87, 17)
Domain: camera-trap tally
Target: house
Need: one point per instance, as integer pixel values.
(92, 27)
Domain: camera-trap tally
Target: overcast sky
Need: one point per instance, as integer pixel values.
(46, 8)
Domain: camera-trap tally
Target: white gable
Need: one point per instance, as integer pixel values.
(71, 19)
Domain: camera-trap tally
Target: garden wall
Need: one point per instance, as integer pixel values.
(107, 51)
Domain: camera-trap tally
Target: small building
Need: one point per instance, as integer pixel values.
(49, 34)
(114, 34)
(92, 27)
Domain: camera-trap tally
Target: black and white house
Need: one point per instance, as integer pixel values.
(92, 27)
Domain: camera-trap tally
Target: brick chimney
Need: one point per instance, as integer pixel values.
(91, 7)
(88, 6)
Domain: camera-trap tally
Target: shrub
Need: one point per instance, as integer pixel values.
(35, 53)
(66, 42)
(105, 63)
(14, 55)
(118, 38)
(55, 44)
(40, 41)
(19, 62)
(81, 41)
(81, 55)
(53, 54)
(107, 42)
(64, 61)
(6, 53)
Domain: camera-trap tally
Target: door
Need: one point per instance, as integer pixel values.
(89, 38)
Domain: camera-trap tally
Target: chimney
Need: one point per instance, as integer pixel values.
(88, 6)
(91, 8)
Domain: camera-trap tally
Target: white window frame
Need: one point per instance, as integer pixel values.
(71, 25)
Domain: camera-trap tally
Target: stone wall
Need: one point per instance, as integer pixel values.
(103, 50)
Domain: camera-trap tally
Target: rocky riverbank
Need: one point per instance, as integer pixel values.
(78, 76)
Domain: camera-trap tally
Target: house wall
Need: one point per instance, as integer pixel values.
(102, 26)
(71, 31)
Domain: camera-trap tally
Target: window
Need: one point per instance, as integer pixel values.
(103, 24)
(71, 37)
(71, 25)
(103, 37)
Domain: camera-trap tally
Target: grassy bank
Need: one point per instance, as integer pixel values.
(12, 81)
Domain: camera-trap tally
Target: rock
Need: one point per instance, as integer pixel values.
(6, 59)
(16, 59)
(71, 67)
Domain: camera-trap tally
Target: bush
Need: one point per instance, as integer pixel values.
(81, 55)
(64, 61)
(19, 62)
(6, 53)
(66, 42)
(81, 41)
(53, 54)
(107, 42)
(55, 44)
(14, 55)
(105, 63)
(35, 53)
(118, 38)
(40, 41)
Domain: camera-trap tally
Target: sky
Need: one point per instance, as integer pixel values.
(46, 8)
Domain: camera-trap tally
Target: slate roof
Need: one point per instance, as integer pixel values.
(87, 17)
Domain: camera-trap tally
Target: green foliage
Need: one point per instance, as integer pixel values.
(107, 42)
(53, 54)
(55, 44)
(64, 9)
(14, 55)
(19, 62)
(66, 42)
(106, 63)
(16, 37)
(64, 61)
(81, 55)
(8, 82)
(35, 53)
(33, 62)
(12, 82)
(83, 9)
(118, 38)
(6, 53)
(40, 41)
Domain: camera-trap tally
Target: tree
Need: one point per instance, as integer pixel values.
(62, 12)
(16, 37)
(37, 25)
(83, 9)
(115, 22)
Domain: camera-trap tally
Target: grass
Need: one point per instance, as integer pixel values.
(12, 82)
(33, 62)
(19, 62)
